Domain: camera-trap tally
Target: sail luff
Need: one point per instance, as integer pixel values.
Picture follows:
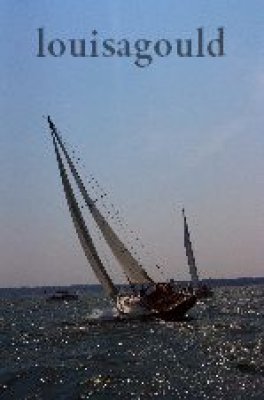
(189, 252)
(131, 267)
(82, 231)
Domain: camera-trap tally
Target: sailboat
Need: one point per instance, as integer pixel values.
(153, 299)
(200, 289)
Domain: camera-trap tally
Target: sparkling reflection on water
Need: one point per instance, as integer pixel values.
(80, 351)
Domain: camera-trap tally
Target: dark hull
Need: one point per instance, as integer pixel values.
(173, 310)
(204, 293)
(62, 297)
(178, 311)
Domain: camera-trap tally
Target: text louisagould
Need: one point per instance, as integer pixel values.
(141, 50)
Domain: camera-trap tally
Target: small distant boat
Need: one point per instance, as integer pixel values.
(158, 300)
(203, 291)
(200, 289)
(62, 295)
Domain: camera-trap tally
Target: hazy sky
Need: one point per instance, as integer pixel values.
(181, 131)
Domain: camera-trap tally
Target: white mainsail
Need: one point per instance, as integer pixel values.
(133, 270)
(189, 252)
(82, 231)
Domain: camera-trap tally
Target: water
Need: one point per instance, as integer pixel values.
(80, 350)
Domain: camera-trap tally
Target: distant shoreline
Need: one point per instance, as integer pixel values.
(244, 281)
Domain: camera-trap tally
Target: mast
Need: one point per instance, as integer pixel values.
(82, 231)
(189, 252)
(133, 270)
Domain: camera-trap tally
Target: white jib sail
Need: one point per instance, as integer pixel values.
(82, 231)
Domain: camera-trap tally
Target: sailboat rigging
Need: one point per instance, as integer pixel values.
(159, 300)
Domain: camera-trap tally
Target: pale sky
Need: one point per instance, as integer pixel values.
(180, 132)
